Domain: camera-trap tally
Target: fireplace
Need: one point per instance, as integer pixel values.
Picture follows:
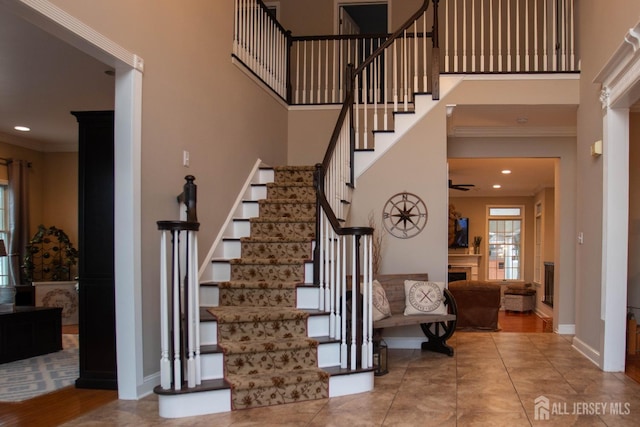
(457, 275)
(464, 266)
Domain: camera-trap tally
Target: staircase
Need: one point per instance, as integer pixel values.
(264, 340)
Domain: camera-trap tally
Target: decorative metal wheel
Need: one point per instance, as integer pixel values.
(441, 331)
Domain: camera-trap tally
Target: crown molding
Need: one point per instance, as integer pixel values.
(512, 131)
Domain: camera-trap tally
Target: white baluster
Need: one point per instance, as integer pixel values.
(196, 312)
(517, 42)
(304, 75)
(464, 37)
(425, 84)
(364, 349)
(297, 72)
(405, 68)
(326, 72)
(177, 365)
(526, 35)
(165, 363)
(354, 305)
(191, 368)
(473, 36)
(455, 36)
(395, 76)
(446, 36)
(491, 47)
(415, 57)
(508, 35)
(343, 328)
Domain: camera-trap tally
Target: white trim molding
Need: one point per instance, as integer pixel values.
(620, 89)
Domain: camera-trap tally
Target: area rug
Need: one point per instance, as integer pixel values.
(28, 378)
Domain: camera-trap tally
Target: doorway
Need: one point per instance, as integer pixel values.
(128, 101)
(361, 17)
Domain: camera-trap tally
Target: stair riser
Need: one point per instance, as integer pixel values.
(220, 271)
(194, 404)
(329, 354)
(318, 326)
(250, 209)
(292, 230)
(209, 296)
(258, 192)
(284, 273)
(212, 366)
(276, 250)
(208, 333)
(232, 249)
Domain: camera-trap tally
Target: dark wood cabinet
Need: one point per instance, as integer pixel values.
(95, 246)
(30, 331)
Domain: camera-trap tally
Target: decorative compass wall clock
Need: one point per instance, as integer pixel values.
(404, 215)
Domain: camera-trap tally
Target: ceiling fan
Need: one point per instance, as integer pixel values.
(461, 187)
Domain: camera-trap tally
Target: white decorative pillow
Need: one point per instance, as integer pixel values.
(381, 309)
(424, 297)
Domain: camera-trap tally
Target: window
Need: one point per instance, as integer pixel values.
(505, 242)
(4, 260)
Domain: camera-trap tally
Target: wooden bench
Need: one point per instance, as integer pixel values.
(437, 328)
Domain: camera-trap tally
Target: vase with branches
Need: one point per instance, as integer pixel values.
(377, 241)
(476, 244)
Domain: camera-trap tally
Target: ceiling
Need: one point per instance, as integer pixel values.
(43, 79)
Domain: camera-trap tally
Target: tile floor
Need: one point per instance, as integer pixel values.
(493, 380)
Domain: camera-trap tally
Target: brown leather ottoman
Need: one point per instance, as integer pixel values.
(478, 304)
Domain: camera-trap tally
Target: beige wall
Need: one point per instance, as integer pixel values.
(598, 46)
(194, 99)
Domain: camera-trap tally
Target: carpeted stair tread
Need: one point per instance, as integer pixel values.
(252, 391)
(259, 219)
(256, 314)
(250, 284)
(274, 201)
(281, 378)
(231, 348)
(266, 261)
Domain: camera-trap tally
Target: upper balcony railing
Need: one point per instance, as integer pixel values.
(508, 36)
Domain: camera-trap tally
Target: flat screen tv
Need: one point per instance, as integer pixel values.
(461, 239)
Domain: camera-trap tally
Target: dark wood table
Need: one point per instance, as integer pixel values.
(30, 331)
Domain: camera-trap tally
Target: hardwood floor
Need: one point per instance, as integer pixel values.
(512, 321)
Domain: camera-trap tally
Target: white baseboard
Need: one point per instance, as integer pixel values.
(587, 351)
(566, 329)
(405, 342)
(148, 384)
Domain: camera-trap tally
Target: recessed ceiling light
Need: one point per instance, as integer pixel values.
(497, 186)
(22, 128)
(506, 171)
